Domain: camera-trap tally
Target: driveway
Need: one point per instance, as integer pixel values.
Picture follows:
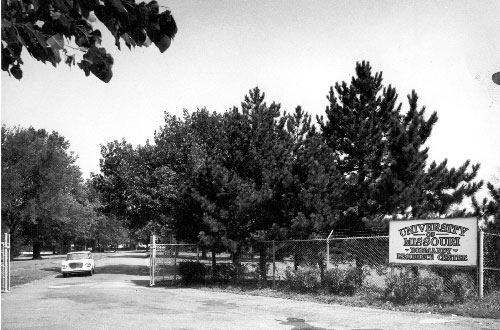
(118, 297)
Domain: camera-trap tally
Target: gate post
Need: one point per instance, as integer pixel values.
(4, 268)
(7, 236)
(328, 250)
(5, 260)
(152, 261)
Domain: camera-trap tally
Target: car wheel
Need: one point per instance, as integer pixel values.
(90, 273)
(65, 275)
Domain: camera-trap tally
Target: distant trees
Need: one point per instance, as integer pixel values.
(40, 185)
(45, 202)
(49, 29)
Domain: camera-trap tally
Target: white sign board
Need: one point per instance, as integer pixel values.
(445, 242)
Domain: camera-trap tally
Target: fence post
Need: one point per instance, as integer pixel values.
(274, 266)
(197, 253)
(328, 250)
(480, 265)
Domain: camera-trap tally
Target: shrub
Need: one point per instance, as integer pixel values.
(462, 287)
(406, 288)
(491, 281)
(401, 288)
(302, 280)
(430, 288)
(342, 281)
(192, 272)
(223, 273)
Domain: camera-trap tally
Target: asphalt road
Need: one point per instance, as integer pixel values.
(118, 297)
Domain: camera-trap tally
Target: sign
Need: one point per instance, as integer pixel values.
(443, 242)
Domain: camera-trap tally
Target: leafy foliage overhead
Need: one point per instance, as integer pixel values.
(42, 26)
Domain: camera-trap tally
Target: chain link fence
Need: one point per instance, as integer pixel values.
(346, 266)
(361, 265)
(337, 265)
(491, 262)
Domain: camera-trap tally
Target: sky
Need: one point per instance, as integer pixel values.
(294, 51)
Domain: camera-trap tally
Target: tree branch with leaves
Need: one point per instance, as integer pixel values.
(48, 28)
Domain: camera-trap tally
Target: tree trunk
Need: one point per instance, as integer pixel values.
(236, 259)
(203, 253)
(359, 270)
(321, 265)
(37, 248)
(236, 256)
(214, 259)
(263, 265)
(65, 247)
(296, 260)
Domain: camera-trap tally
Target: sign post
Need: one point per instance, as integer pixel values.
(480, 271)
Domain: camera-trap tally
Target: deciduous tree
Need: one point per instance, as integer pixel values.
(40, 186)
(49, 29)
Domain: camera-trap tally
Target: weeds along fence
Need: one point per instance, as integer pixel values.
(337, 265)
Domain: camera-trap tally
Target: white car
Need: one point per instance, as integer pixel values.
(78, 263)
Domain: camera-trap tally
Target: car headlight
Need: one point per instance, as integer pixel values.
(64, 266)
(88, 264)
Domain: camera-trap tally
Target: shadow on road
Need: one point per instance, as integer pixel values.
(51, 269)
(140, 282)
(123, 269)
(140, 255)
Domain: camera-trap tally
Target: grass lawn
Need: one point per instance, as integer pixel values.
(24, 269)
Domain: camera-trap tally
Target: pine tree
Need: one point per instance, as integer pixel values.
(382, 157)
(489, 209)
(314, 186)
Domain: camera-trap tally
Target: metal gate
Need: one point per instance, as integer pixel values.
(164, 259)
(5, 258)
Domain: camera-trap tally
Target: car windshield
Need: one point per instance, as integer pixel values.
(77, 256)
